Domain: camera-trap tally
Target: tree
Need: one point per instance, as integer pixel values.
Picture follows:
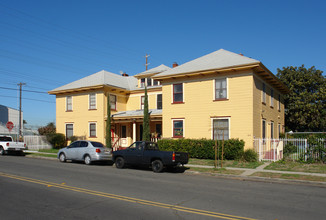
(46, 130)
(146, 126)
(306, 103)
(108, 124)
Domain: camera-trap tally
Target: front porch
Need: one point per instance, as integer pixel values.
(127, 127)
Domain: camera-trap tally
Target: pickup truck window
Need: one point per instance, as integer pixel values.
(5, 139)
(151, 146)
(136, 145)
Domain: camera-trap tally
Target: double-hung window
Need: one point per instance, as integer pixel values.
(221, 129)
(142, 82)
(272, 97)
(263, 129)
(113, 102)
(92, 129)
(178, 128)
(149, 82)
(69, 103)
(279, 102)
(159, 101)
(92, 101)
(177, 93)
(272, 130)
(220, 89)
(264, 93)
(69, 130)
(142, 102)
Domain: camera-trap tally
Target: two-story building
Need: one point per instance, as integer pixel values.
(219, 95)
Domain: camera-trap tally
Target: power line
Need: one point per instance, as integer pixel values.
(23, 90)
(38, 100)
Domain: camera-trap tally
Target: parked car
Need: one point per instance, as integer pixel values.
(148, 154)
(7, 145)
(87, 151)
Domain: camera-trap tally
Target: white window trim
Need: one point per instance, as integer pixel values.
(227, 87)
(69, 123)
(114, 103)
(184, 126)
(183, 92)
(212, 124)
(89, 101)
(89, 129)
(144, 102)
(67, 103)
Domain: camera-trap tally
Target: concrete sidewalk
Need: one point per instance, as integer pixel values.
(248, 172)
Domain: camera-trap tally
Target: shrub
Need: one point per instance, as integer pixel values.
(250, 155)
(289, 149)
(204, 148)
(57, 140)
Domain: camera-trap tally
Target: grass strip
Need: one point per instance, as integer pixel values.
(215, 171)
(290, 176)
(226, 163)
(297, 167)
(40, 155)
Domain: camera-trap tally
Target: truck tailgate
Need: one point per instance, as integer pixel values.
(181, 157)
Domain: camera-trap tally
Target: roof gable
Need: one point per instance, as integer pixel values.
(158, 69)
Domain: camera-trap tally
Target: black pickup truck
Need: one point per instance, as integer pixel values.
(143, 153)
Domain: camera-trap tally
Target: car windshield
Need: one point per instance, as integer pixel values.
(5, 138)
(97, 144)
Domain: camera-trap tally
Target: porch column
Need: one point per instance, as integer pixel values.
(134, 131)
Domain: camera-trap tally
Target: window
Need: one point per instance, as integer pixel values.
(68, 103)
(123, 131)
(177, 93)
(92, 129)
(149, 82)
(69, 130)
(272, 129)
(158, 129)
(272, 97)
(92, 101)
(155, 82)
(159, 101)
(220, 89)
(263, 129)
(279, 130)
(177, 128)
(279, 102)
(113, 102)
(142, 82)
(83, 144)
(264, 93)
(142, 101)
(221, 129)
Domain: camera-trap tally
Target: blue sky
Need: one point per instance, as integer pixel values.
(47, 44)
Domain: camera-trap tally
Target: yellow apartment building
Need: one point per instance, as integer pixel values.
(219, 95)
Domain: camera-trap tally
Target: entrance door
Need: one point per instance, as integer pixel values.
(124, 140)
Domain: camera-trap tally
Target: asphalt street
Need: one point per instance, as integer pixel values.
(47, 189)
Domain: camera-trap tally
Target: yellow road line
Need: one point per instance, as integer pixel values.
(127, 199)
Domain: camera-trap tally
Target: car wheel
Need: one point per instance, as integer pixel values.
(2, 151)
(119, 163)
(157, 166)
(62, 157)
(87, 160)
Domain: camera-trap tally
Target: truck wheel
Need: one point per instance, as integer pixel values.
(2, 151)
(119, 163)
(87, 160)
(62, 157)
(157, 166)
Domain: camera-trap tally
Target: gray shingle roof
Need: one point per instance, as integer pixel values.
(158, 69)
(139, 112)
(102, 78)
(216, 60)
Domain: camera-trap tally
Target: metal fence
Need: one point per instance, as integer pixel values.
(34, 142)
(295, 149)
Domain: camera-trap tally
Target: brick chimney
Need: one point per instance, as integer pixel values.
(125, 74)
(174, 64)
(241, 54)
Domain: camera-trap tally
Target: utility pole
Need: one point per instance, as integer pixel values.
(147, 55)
(20, 108)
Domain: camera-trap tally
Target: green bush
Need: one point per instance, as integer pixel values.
(57, 140)
(289, 149)
(204, 148)
(250, 155)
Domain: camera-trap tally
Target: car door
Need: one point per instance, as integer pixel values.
(71, 153)
(81, 150)
(133, 153)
